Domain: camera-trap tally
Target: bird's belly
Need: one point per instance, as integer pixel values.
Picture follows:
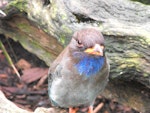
(66, 93)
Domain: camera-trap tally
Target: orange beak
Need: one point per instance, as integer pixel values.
(96, 50)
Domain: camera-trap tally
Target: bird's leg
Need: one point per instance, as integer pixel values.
(90, 110)
(73, 110)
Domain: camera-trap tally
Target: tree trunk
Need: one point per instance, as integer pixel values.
(44, 28)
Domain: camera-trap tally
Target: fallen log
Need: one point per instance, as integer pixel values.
(44, 27)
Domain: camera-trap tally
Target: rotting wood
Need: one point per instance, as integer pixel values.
(47, 28)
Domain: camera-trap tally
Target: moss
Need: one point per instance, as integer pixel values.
(101, 27)
(57, 12)
(25, 27)
(66, 29)
(39, 51)
(19, 4)
(34, 47)
(144, 41)
(147, 2)
(63, 16)
(132, 59)
(45, 30)
(54, 11)
(62, 39)
(146, 75)
(133, 54)
(127, 63)
(132, 62)
(25, 37)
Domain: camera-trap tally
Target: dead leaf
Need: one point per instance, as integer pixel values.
(33, 74)
(23, 64)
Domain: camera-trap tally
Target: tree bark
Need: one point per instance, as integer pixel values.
(45, 28)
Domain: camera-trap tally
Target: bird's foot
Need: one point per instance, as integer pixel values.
(73, 110)
(90, 110)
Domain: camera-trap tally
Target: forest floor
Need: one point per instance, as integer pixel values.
(30, 91)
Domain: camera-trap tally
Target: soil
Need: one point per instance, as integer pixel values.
(29, 93)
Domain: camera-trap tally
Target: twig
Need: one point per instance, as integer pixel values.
(11, 49)
(41, 81)
(9, 59)
(98, 107)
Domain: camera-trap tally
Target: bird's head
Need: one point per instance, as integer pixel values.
(87, 42)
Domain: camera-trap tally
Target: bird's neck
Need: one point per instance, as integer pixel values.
(89, 66)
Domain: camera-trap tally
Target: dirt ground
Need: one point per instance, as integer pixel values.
(31, 92)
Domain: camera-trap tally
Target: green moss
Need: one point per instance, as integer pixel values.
(25, 27)
(26, 38)
(132, 54)
(63, 16)
(62, 39)
(19, 4)
(144, 41)
(101, 28)
(54, 11)
(132, 59)
(34, 47)
(128, 63)
(147, 2)
(45, 30)
(65, 35)
(39, 51)
(132, 62)
(66, 29)
(146, 75)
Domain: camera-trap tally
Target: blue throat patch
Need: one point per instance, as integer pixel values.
(89, 66)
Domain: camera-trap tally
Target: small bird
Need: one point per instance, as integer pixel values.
(80, 72)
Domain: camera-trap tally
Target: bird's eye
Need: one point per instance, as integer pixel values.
(79, 42)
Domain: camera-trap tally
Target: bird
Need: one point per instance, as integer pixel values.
(80, 72)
